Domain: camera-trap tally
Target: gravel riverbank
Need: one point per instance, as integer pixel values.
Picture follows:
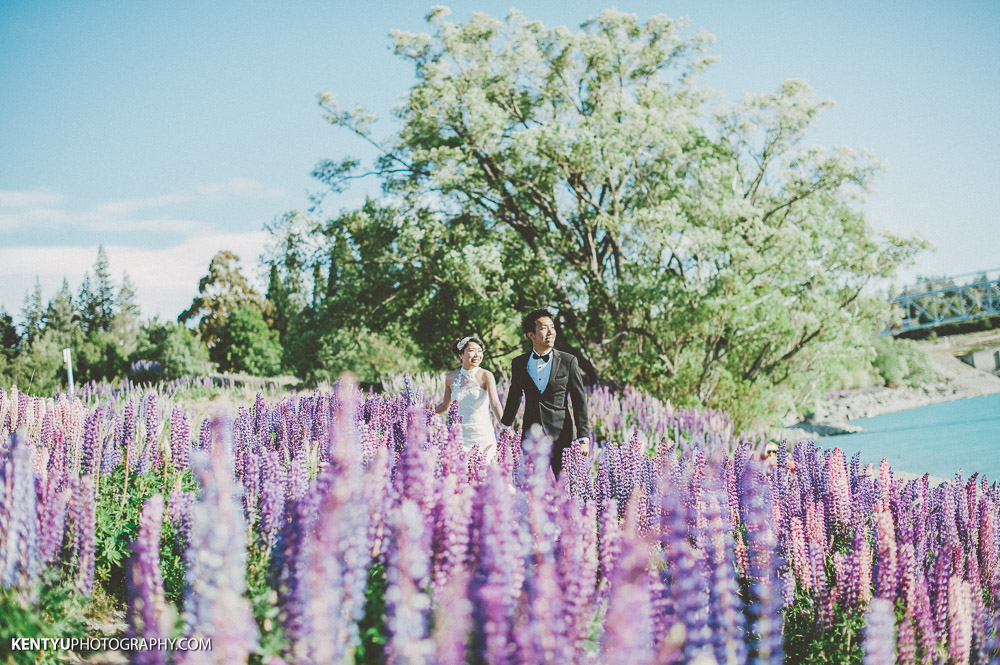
(953, 380)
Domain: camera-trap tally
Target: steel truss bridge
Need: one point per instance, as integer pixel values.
(948, 304)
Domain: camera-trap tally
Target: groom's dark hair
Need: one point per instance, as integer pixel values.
(529, 321)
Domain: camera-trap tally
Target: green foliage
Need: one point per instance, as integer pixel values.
(100, 358)
(39, 369)
(805, 643)
(220, 293)
(175, 347)
(901, 362)
(245, 344)
(119, 506)
(706, 253)
(57, 612)
(369, 355)
(264, 601)
(372, 627)
(97, 299)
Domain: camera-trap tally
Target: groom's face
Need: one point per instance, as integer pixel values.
(544, 337)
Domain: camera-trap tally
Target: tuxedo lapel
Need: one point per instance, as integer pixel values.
(552, 373)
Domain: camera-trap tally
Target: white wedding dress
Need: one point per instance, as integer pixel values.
(474, 409)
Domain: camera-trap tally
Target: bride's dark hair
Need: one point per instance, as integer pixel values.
(459, 346)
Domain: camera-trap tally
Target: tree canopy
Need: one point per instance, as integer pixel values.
(705, 251)
(220, 293)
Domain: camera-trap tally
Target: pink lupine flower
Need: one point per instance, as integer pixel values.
(885, 531)
(959, 620)
(839, 488)
(815, 523)
(799, 554)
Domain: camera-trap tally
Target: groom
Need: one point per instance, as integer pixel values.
(548, 379)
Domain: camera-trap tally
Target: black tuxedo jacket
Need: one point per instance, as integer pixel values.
(550, 409)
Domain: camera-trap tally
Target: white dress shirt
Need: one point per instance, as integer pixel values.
(539, 370)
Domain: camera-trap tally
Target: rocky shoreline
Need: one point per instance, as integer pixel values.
(953, 380)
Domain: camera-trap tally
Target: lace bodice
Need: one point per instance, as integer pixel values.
(474, 409)
(471, 397)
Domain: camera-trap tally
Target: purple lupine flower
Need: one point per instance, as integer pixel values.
(324, 553)
(609, 541)
(725, 619)
(408, 575)
(880, 638)
(53, 499)
(216, 576)
(148, 614)
(91, 451)
(628, 626)
(577, 565)
(259, 414)
(684, 579)
(452, 517)
(205, 435)
(251, 479)
(988, 551)
(112, 448)
(938, 583)
(537, 447)
(19, 555)
(497, 563)
(540, 627)
(153, 432)
(179, 513)
(906, 643)
(452, 620)
(763, 564)
(908, 576)
(128, 434)
(84, 518)
(826, 594)
(272, 498)
(298, 478)
(180, 439)
(414, 476)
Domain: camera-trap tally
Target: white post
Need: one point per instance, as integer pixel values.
(68, 357)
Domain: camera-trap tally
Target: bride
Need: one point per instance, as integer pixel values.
(472, 386)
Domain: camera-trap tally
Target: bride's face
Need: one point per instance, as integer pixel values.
(472, 355)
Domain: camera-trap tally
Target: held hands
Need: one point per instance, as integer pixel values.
(584, 445)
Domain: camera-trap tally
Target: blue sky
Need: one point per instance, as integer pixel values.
(167, 131)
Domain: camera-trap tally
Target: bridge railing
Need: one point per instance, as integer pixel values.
(949, 304)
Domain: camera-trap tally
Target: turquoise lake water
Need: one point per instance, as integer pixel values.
(938, 439)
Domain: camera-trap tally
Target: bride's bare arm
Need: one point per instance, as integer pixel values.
(443, 406)
(491, 389)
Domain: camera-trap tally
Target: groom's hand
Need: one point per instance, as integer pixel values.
(584, 445)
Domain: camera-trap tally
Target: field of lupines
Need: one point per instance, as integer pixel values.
(348, 526)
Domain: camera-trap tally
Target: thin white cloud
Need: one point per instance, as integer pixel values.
(28, 199)
(47, 209)
(130, 206)
(239, 187)
(166, 278)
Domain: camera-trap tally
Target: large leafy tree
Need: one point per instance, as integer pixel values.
(220, 293)
(249, 346)
(706, 252)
